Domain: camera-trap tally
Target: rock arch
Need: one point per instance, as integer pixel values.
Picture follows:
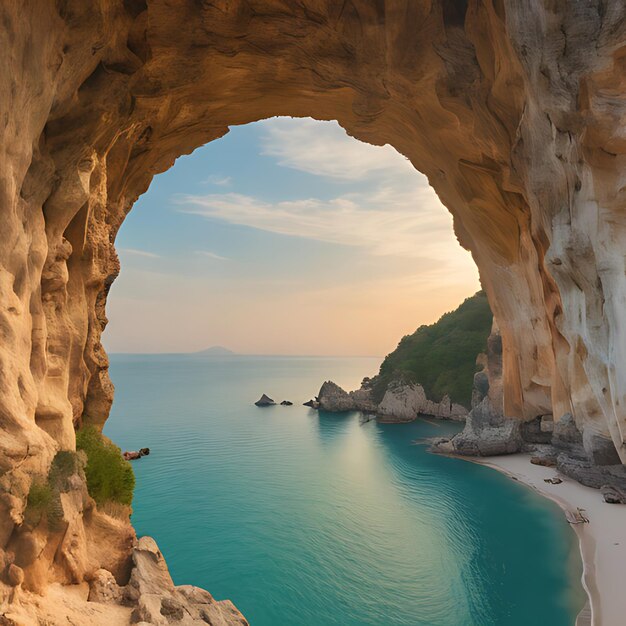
(515, 112)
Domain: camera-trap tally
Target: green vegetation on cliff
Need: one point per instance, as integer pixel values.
(109, 477)
(441, 357)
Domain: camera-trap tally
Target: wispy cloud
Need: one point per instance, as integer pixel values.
(211, 255)
(220, 181)
(136, 252)
(324, 149)
(387, 222)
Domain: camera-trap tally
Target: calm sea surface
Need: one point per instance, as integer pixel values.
(312, 519)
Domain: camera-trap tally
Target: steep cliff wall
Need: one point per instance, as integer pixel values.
(514, 110)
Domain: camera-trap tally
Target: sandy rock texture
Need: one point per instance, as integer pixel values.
(514, 110)
(149, 597)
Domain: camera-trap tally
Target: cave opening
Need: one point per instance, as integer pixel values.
(511, 114)
(285, 236)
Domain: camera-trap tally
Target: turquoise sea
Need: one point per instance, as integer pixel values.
(311, 519)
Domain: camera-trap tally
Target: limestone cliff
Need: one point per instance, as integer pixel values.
(514, 110)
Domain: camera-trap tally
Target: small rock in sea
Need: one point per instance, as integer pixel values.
(136, 454)
(314, 404)
(265, 401)
(286, 403)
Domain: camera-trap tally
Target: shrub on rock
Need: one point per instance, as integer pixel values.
(109, 477)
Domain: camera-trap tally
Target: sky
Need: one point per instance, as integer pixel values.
(285, 236)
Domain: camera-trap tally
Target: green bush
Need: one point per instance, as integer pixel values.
(109, 477)
(39, 495)
(64, 464)
(38, 502)
(441, 357)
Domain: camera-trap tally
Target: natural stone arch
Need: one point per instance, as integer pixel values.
(514, 112)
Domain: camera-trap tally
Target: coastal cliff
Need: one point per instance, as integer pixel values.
(514, 111)
(429, 373)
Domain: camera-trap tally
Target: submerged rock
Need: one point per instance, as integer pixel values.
(264, 401)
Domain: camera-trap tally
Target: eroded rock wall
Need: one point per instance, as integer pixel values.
(514, 110)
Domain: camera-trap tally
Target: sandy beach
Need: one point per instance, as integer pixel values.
(602, 540)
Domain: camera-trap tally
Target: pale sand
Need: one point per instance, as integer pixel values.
(602, 541)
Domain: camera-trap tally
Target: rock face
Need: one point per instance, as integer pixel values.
(401, 403)
(487, 431)
(334, 399)
(406, 401)
(157, 601)
(515, 111)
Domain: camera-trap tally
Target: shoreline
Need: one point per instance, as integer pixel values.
(602, 541)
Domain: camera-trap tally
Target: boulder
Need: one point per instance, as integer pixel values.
(334, 399)
(612, 494)
(265, 401)
(103, 588)
(545, 461)
(488, 433)
(15, 575)
(581, 468)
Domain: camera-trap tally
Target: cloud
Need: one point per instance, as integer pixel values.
(221, 181)
(211, 255)
(136, 252)
(388, 222)
(325, 149)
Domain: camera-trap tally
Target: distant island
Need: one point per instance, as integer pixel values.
(216, 351)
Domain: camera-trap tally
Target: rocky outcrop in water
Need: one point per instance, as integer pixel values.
(513, 110)
(402, 402)
(405, 401)
(265, 401)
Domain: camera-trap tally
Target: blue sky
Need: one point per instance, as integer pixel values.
(285, 237)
